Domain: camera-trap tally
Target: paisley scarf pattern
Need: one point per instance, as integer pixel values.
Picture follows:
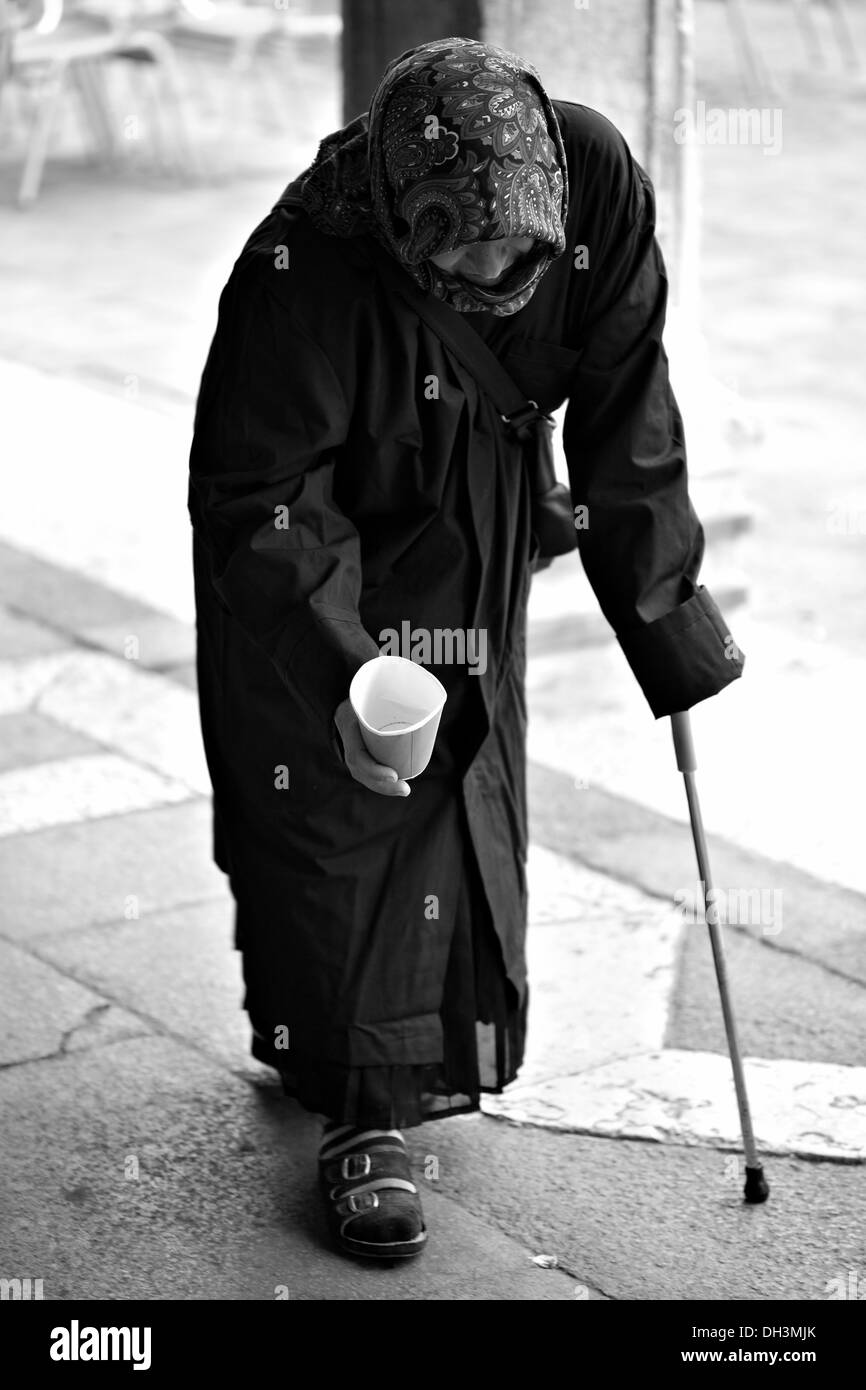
(460, 145)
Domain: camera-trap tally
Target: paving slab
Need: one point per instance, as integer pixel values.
(22, 637)
(136, 471)
(117, 703)
(22, 683)
(143, 714)
(785, 1006)
(176, 967)
(822, 921)
(185, 674)
(78, 788)
(61, 597)
(599, 984)
(27, 738)
(561, 889)
(70, 876)
(651, 1222)
(766, 781)
(141, 1170)
(159, 640)
(139, 712)
(809, 1109)
(44, 1013)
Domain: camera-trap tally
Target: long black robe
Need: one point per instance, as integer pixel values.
(377, 930)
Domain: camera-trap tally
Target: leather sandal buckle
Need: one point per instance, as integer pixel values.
(364, 1201)
(350, 1169)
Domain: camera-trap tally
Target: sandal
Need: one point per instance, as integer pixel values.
(373, 1206)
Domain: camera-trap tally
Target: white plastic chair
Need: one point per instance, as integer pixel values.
(68, 50)
(758, 76)
(259, 45)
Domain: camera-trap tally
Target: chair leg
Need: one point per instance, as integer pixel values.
(15, 110)
(88, 78)
(759, 79)
(184, 155)
(48, 104)
(147, 84)
(244, 53)
(844, 36)
(279, 66)
(809, 30)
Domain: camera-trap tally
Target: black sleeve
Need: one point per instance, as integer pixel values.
(623, 438)
(284, 560)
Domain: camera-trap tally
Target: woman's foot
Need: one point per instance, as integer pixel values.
(373, 1205)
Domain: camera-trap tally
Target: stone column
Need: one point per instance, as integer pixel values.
(621, 57)
(375, 31)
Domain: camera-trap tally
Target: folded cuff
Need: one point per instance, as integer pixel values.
(683, 657)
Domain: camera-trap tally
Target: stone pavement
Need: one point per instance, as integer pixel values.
(146, 1155)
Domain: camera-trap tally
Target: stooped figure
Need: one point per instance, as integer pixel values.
(350, 478)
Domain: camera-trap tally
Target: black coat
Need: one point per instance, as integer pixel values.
(407, 503)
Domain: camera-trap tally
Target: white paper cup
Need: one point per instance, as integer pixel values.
(398, 704)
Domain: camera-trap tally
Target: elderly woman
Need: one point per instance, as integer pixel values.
(350, 475)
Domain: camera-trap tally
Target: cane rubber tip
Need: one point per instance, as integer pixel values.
(757, 1189)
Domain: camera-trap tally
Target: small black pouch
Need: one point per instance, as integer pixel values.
(552, 511)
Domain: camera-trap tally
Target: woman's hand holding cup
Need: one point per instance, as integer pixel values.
(359, 763)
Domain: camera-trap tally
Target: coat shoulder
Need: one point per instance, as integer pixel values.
(312, 275)
(602, 171)
(589, 133)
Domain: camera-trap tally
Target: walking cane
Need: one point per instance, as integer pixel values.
(756, 1188)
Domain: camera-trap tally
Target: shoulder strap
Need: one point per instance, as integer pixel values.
(468, 347)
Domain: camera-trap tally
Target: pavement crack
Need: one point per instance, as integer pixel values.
(26, 1061)
(153, 1026)
(93, 1013)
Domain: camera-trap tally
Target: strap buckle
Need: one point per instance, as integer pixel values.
(526, 415)
(355, 1166)
(363, 1201)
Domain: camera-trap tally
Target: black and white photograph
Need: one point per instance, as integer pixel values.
(432, 670)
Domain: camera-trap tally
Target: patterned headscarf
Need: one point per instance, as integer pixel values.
(460, 145)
